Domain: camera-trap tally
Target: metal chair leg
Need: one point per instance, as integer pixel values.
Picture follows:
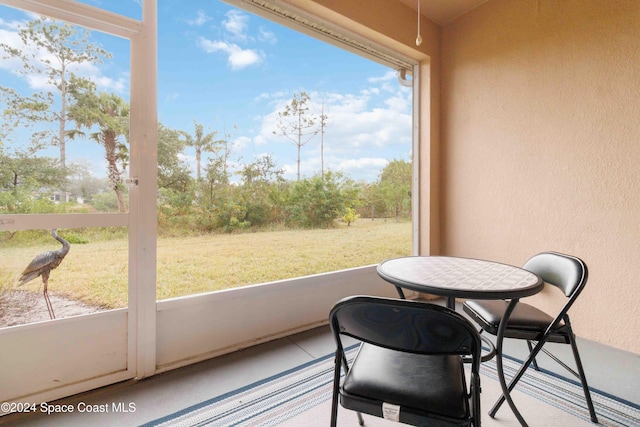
(534, 363)
(336, 387)
(583, 378)
(506, 389)
(515, 379)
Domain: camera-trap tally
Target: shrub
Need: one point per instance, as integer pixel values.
(105, 202)
(319, 201)
(350, 216)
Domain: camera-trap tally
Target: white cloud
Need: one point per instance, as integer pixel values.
(388, 76)
(201, 19)
(12, 25)
(108, 84)
(237, 57)
(266, 36)
(241, 58)
(240, 143)
(363, 126)
(363, 163)
(236, 24)
(190, 161)
(398, 103)
(266, 96)
(261, 139)
(356, 168)
(235, 35)
(10, 38)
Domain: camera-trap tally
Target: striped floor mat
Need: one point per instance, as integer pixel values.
(273, 401)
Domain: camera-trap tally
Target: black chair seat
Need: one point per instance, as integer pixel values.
(525, 322)
(417, 383)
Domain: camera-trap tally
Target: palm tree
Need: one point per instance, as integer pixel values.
(111, 114)
(201, 142)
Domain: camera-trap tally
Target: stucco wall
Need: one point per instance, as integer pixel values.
(541, 147)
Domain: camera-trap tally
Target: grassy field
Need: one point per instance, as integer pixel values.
(96, 272)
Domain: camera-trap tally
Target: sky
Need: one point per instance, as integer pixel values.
(233, 72)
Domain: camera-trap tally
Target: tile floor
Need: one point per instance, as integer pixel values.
(610, 370)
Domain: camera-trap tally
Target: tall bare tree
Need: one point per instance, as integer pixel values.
(225, 150)
(324, 122)
(296, 123)
(51, 50)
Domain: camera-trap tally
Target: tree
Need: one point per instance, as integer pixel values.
(262, 171)
(216, 173)
(60, 47)
(323, 125)
(111, 114)
(175, 184)
(223, 153)
(259, 191)
(394, 187)
(24, 170)
(296, 123)
(22, 176)
(173, 172)
(201, 142)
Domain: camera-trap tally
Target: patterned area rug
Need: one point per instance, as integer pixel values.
(301, 397)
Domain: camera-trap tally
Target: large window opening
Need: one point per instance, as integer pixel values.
(64, 156)
(279, 155)
(273, 146)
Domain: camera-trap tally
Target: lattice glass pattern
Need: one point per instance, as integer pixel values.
(461, 274)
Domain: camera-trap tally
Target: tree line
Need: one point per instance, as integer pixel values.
(255, 195)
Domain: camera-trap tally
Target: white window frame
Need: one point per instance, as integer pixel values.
(141, 218)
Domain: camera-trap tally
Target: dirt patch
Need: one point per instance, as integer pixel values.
(19, 307)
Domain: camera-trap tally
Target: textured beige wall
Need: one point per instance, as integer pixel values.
(541, 147)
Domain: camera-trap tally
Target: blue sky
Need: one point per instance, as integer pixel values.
(233, 71)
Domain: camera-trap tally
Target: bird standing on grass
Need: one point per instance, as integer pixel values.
(42, 265)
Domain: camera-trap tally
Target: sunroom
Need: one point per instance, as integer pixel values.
(525, 139)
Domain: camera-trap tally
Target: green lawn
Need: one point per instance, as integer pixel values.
(96, 272)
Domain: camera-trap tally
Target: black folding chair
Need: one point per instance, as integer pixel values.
(409, 367)
(565, 272)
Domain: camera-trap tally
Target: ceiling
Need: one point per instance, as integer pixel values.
(443, 11)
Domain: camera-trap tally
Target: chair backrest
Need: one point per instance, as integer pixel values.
(566, 272)
(403, 325)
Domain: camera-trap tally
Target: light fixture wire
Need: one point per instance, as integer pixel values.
(419, 38)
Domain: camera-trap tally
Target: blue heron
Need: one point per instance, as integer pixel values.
(42, 265)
